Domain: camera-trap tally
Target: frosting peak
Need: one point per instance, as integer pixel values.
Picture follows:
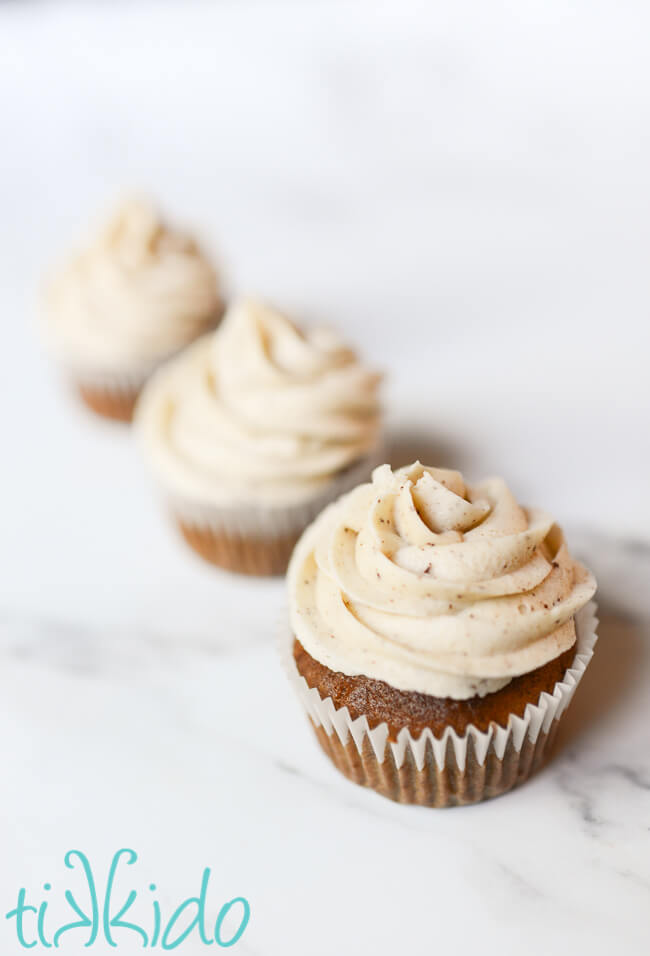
(431, 585)
(259, 411)
(136, 235)
(139, 292)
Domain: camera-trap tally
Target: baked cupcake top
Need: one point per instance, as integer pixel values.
(431, 585)
(136, 295)
(258, 412)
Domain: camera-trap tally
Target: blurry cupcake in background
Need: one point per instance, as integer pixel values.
(438, 632)
(139, 293)
(253, 430)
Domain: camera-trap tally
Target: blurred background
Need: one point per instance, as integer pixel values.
(463, 189)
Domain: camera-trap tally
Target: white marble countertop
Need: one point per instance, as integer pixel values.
(468, 197)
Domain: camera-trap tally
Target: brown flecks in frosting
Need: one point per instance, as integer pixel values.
(458, 642)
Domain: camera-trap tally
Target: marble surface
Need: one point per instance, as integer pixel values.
(466, 193)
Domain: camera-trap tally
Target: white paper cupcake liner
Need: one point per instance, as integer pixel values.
(451, 769)
(108, 396)
(117, 383)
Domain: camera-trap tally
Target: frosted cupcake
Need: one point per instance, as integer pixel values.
(137, 295)
(438, 634)
(253, 430)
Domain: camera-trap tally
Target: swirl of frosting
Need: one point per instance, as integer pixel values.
(429, 585)
(136, 295)
(258, 411)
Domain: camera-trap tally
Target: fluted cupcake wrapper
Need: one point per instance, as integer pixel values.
(451, 770)
(256, 539)
(111, 394)
(117, 403)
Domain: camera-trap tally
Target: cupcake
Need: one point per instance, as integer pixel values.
(438, 632)
(136, 296)
(253, 430)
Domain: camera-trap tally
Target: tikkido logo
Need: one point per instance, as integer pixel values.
(103, 920)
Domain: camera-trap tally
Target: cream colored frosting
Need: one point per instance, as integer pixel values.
(258, 412)
(136, 295)
(430, 585)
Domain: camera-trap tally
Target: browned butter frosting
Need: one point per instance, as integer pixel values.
(431, 585)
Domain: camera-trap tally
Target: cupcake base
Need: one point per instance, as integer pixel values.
(445, 769)
(434, 786)
(109, 403)
(245, 555)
